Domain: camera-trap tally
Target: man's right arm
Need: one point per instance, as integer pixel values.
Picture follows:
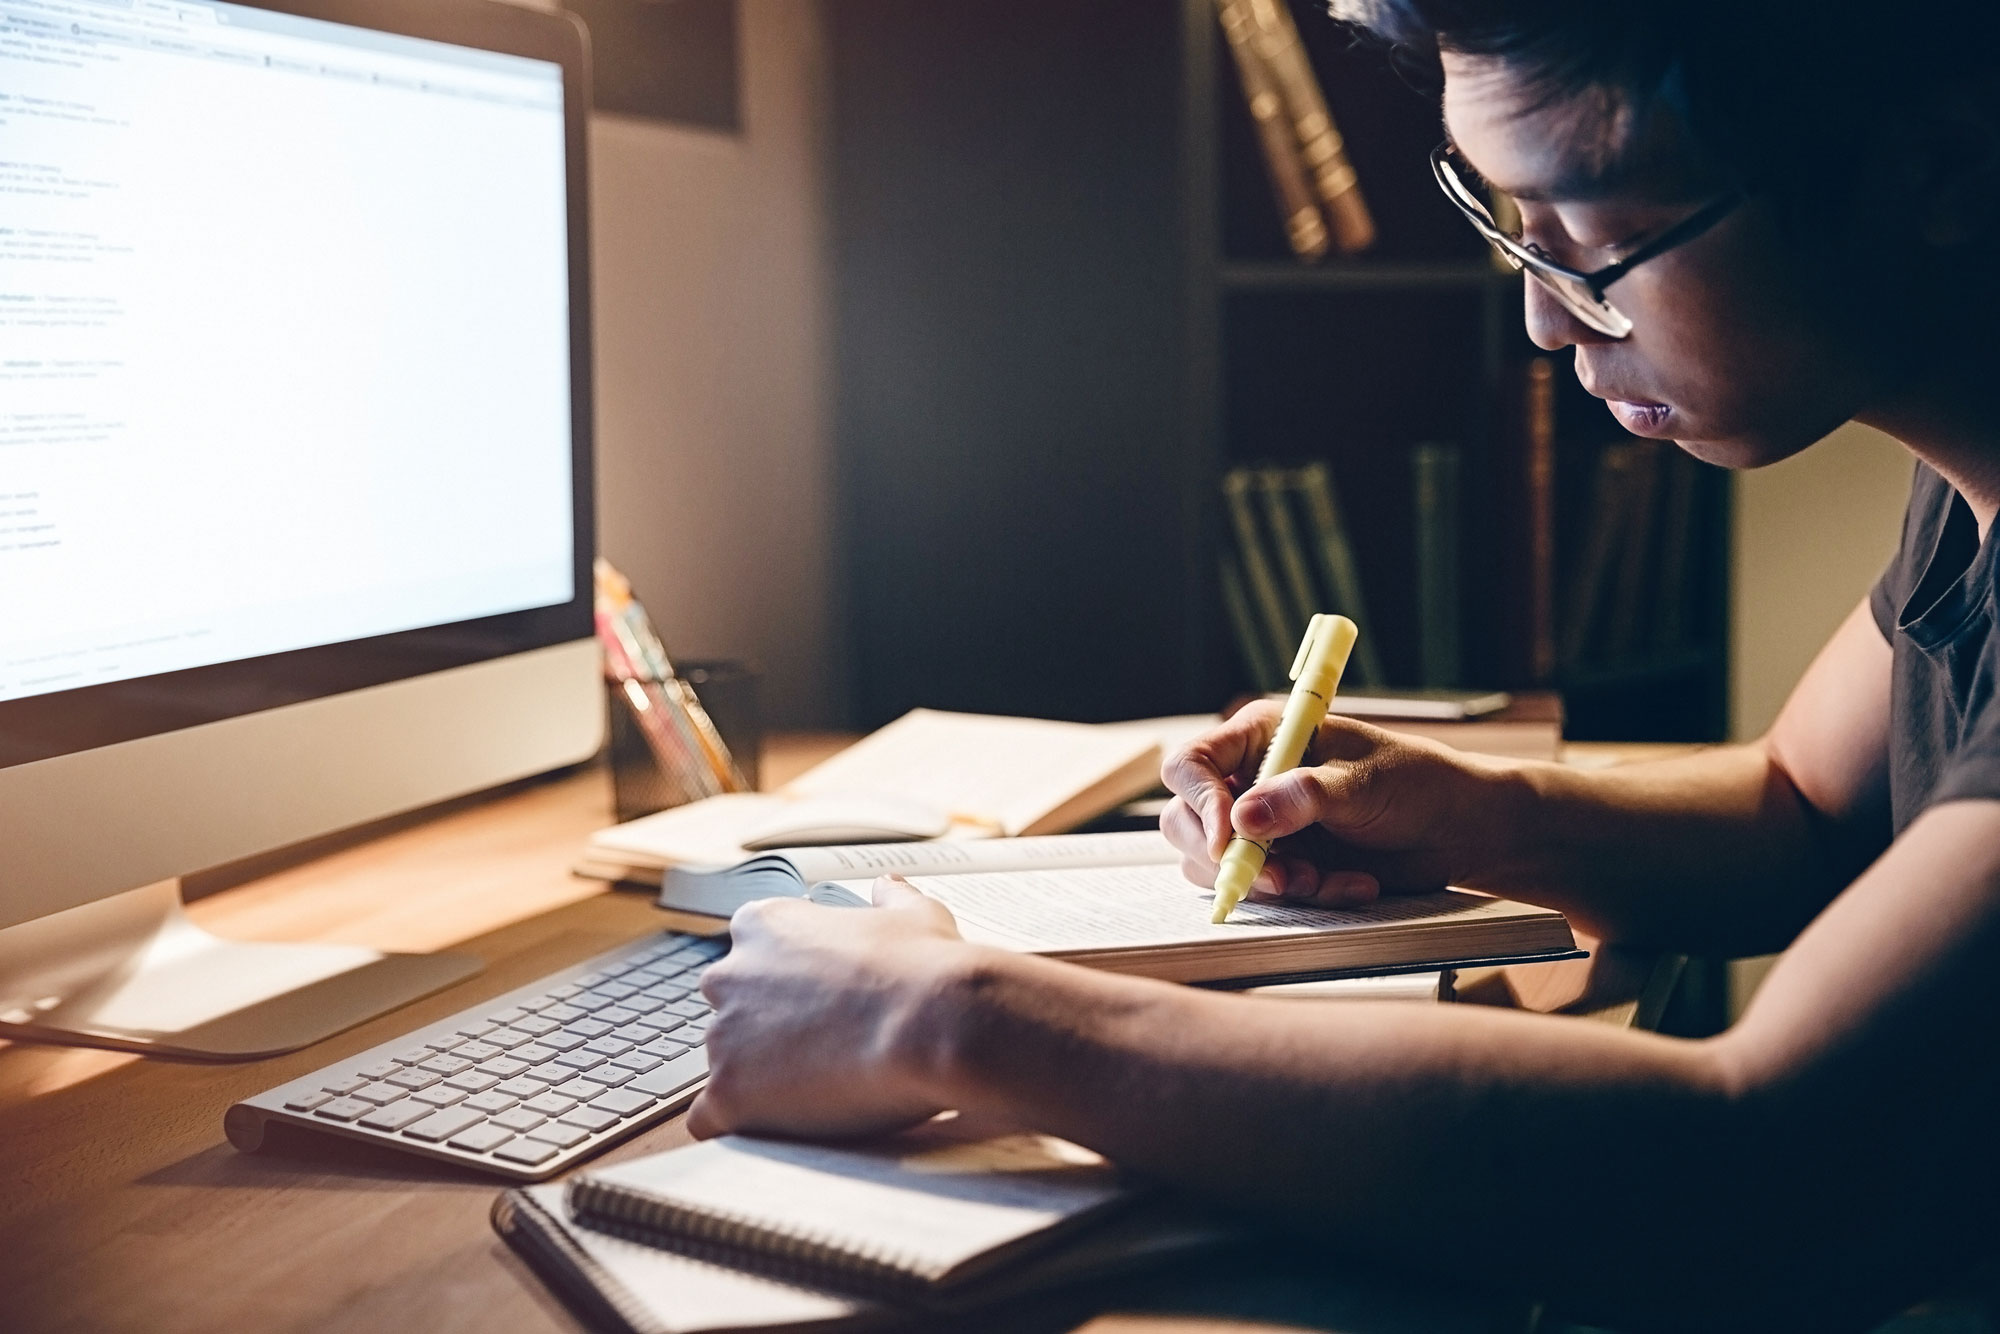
(1731, 850)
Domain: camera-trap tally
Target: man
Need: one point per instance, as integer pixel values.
(1753, 222)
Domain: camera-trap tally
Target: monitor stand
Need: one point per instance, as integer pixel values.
(132, 972)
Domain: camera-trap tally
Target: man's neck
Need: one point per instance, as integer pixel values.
(1948, 419)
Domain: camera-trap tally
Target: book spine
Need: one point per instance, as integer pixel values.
(724, 1233)
(1305, 227)
(1315, 486)
(1435, 479)
(1281, 632)
(1609, 489)
(1320, 143)
(1629, 603)
(1249, 639)
(1274, 488)
(1540, 421)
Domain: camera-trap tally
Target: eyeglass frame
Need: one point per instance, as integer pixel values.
(1528, 256)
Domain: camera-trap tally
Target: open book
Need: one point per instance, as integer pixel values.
(740, 1233)
(959, 775)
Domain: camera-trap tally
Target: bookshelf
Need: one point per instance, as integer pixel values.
(1064, 305)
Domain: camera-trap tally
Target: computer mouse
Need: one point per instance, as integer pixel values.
(864, 818)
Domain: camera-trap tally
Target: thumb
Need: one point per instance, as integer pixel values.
(892, 893)
(1284, 804)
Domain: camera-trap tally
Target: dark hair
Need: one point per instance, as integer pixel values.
(1779, 94)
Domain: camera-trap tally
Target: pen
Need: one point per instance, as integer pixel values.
(1315, 674)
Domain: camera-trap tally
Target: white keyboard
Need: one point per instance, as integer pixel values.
(529, 1083)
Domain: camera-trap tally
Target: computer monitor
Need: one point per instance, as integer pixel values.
(295, 475)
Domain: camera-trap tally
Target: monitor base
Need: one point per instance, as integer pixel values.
(133, 973)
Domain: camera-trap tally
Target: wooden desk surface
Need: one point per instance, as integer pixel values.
(123, 1208)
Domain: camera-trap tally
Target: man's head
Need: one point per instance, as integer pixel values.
(1866, 148)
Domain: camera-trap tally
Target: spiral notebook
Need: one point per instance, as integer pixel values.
(741, 1233)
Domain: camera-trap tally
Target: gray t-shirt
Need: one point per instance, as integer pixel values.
(1935, 606)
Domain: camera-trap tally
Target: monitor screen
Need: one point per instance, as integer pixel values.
(287, 402)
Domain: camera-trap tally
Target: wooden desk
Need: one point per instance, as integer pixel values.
(122, 1208)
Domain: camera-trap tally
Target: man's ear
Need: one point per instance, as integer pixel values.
(1955, 167)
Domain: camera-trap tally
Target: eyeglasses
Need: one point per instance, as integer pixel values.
(1581, 293)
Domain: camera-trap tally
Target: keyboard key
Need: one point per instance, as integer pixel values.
(668, 991)
(538, 1003)
(589, 1001)
(583, 981)
(443, 1125)
(623, 1102)
(550, 1073)
(397, 1115)
(442, 1064)
(560, 1135)
(378, 1070)
(563, 993)
(506, 1016)
(415, 1056)
(506, 1039)
(520, 1088)
(548, 1104)
(476, 1051)
(580, 1089)
(712, 947)
(616, 990)
(305, 1102)
(343, 1109)
(472, 1081)
(645, 977)
(697, 1027)
(528, 1152)
(645, 1004)
(480, 1139)
(412, 1078)
(521, 1119)
(560, 1041)
(476, 1028)
(689, 1009)
(666, 1021)
(638, 1062)
(689, 954)
(536, 1025)
(444, 1041)
(377, 1095)
(591, 1119)
(340, 1088)
(503, 1067)
(608, 1075)
(582, 1059)
(587, 1028)
(534, 1053)
(437, 1096)
(616, 1014)
(634, 1033)
(667, 1048)
(675, 1075)
(608, 1045)
(491, 1101)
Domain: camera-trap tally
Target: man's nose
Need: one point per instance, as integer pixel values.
(1550, 323)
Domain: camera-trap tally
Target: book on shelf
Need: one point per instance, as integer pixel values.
(1305, 226)
(1435, 487)
(1591, 578)
(1320, 142)
(738, 1233)
(1289, 559)
(1539, 414)
(933, 773)
(1630, 593)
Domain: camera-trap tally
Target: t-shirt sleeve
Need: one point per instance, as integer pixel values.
(1892, 590)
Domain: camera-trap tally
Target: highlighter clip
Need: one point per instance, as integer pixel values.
(1320, 626)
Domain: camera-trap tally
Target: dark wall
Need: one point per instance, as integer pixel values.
(1014, 442)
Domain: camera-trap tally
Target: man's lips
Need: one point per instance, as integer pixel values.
(1641, 416)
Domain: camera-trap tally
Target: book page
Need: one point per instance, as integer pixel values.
(1140, 847)
(1110, 908)
(1006, 772)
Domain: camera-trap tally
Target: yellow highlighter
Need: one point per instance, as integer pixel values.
(1315, 675)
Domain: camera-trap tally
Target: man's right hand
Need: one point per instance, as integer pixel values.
(1367, 812)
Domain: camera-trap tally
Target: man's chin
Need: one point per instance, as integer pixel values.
(1741, 453)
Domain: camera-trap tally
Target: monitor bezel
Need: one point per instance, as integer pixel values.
(41, 727)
